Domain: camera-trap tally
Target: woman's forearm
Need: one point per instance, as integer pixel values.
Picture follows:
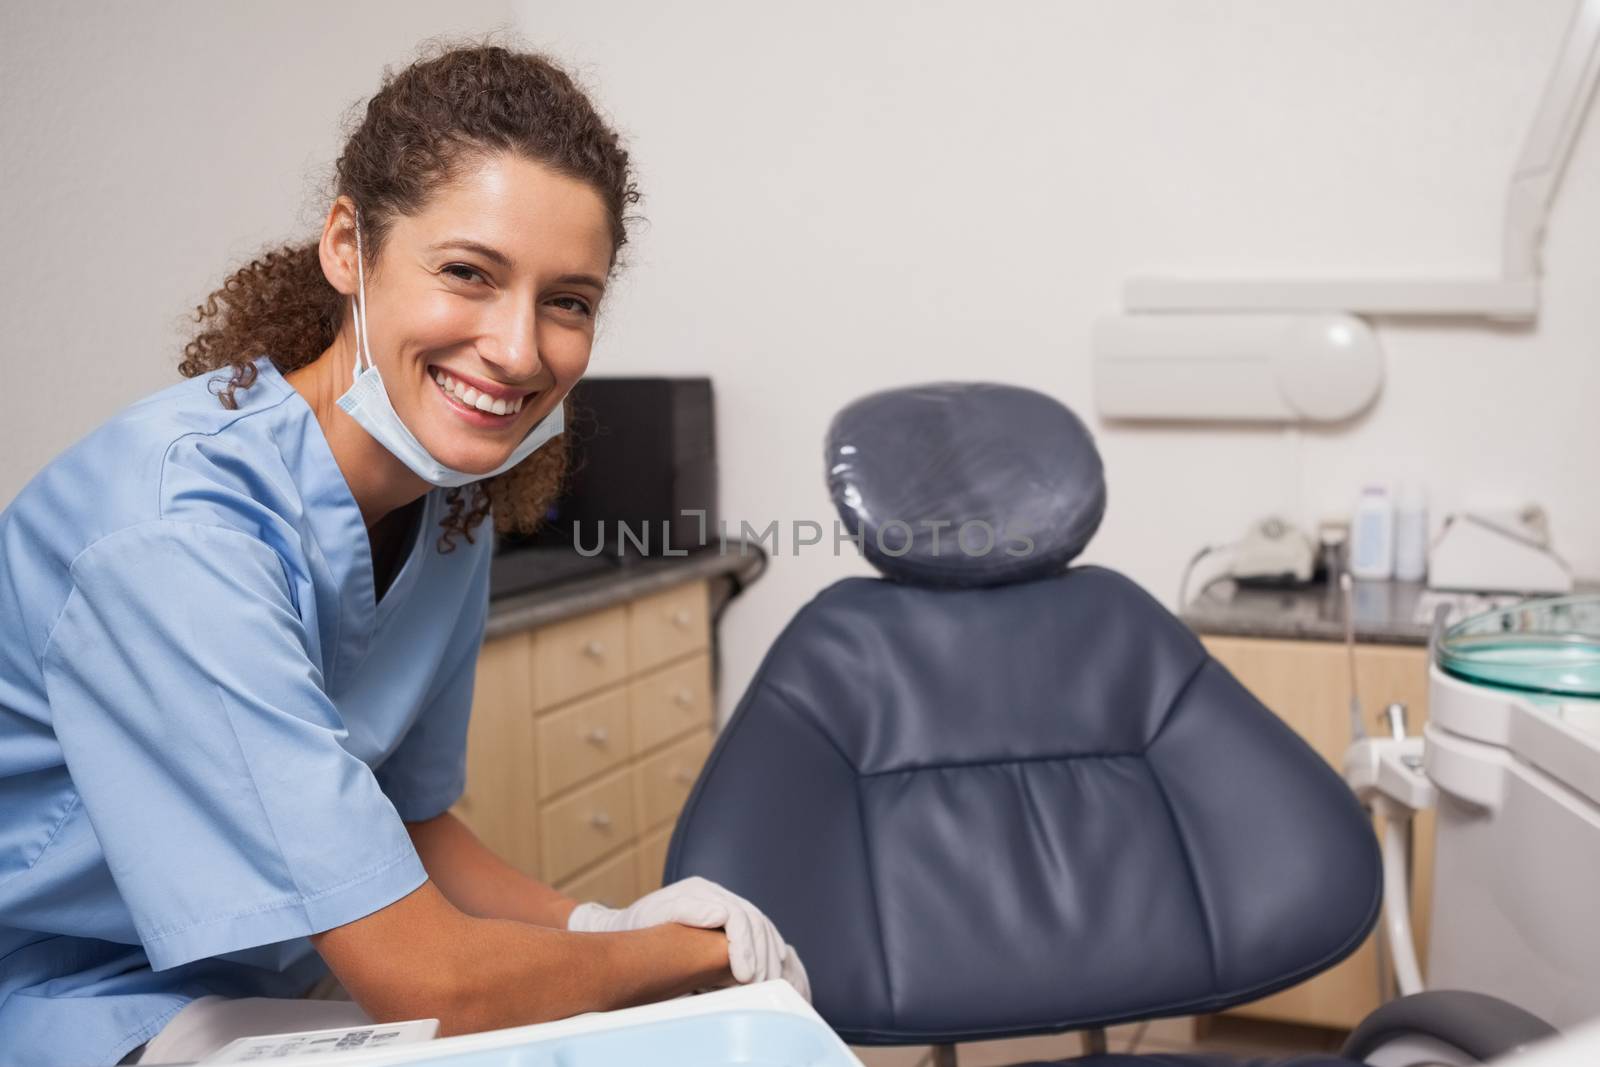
(523, 974)
(479, 882)
(423, 958)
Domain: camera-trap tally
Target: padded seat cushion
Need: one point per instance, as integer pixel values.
(1027, 808)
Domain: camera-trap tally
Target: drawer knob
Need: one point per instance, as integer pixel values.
(683, 776)
(683, 698)
(600, 821)
(597, 736)
(594, 648)
(681, 617)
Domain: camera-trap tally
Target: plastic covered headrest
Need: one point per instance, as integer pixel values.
(965, 483)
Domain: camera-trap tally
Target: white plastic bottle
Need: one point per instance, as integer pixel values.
(1372, 535)
(1411, 534)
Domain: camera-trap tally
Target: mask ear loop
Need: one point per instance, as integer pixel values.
(358, 308)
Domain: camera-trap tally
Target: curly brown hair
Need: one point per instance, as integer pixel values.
(454, 103)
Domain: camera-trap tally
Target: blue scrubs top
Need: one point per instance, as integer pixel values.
(210, 730)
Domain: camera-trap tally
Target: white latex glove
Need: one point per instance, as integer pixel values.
(794, 972)
(755, 951)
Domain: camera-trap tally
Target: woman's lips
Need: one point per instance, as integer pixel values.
(493, 390)
(476, 416)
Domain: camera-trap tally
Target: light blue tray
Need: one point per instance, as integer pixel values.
(743, 1038)
(1539, 646)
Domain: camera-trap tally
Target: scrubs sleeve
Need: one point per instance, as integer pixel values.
(427, 772)
(190, 711)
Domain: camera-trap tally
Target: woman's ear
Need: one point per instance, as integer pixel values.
(337, 247)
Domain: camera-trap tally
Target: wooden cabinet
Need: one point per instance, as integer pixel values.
(662, 782)
(582, 740)
(586, 826)
(586, 737)
(578, 656)
(1307, 684)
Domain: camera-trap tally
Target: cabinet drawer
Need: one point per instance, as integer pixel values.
(613, 883)
(587, 825)
(668, 624)
(670, 702)
(652, 855)
(665, 779)
(583, 740)
(579, 655)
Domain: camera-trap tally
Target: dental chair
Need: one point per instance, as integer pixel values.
(991, 794)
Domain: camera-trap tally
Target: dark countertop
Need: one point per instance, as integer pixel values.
(1395, 613)
(731, 567)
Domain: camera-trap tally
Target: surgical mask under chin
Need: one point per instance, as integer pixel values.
(367, 401)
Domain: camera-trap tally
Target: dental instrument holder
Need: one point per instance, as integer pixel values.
(1384, 774)
(1387, 774)
(1358, 734)
(1395, 717)
(1397, 821)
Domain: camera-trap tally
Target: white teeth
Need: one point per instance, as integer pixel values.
(472, 398)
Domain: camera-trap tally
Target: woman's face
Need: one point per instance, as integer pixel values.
(493, 288)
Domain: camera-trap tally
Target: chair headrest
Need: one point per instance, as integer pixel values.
(965, 483)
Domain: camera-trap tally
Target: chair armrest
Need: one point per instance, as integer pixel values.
(1479, 1025)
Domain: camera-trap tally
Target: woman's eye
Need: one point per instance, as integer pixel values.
(573, 303)
(464, 272)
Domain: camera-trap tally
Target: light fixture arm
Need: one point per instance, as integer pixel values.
(1548, 146)
(1513, 296)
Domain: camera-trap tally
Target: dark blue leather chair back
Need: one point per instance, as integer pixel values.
(1034, 806)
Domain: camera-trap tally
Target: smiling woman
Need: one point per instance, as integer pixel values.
(492, 199)
(238, 667)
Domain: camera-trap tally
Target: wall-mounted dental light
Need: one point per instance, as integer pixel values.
(1258, 368)
(1293, 351)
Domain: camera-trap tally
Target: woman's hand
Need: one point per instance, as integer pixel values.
(756, 952)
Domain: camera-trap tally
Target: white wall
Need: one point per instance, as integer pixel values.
(844, 197)
(148, 149)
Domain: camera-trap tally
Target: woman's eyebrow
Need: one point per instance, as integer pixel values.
(498, 257)
(582, 279)
(492, 254)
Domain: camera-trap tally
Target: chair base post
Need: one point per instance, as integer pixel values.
(943, 1056)
(1094, 1041)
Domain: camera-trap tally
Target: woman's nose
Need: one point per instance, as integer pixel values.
(511, 342)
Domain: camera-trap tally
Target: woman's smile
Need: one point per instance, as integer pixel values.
(478, 407)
